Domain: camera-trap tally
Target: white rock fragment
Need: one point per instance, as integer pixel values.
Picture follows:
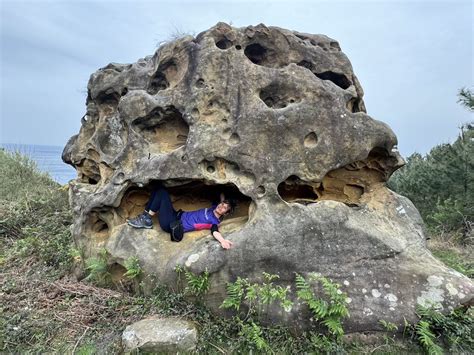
(191, 259)
(367, 311)
(435, 281)
(451, 289)
(376, 293)
(401, 210)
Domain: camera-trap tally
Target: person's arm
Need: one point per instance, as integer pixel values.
(226, 244)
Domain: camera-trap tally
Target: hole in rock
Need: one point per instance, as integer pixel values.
(108, 98)
(88, 171)
(226, 133)
(335, 46)
(238, 47)
(158, 83)
(224, 43)
(100, 226)
(107, 102)
(189, 195)
(338, 79)
(349, 183)
(165, 74)
(256, 53)
(302, 37)
(96, 226)
(295, 190)
(261, 190)
(353, 105)
(117, 273)
(234, 139)
(278, 96)
(320, 44)
(346, 184)
(305, 64)
(211, 169)
(200, 83)
(124, 91)
(164, 128)
(311, 140)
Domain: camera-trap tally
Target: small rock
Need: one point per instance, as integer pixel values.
(163, 335)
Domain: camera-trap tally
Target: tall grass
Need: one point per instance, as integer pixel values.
(34, 212)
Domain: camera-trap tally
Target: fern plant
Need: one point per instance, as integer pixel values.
(427, 339)
(235, 293)
(453, 330)
(98, 269)
(133, 268)
(197, 285)
(328, 312)
(253, 333)
(255, 296)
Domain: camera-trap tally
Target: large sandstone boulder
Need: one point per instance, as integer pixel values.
(277, 119)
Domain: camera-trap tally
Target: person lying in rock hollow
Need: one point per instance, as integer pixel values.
(177, 223)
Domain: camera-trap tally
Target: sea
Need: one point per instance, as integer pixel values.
(47, 158)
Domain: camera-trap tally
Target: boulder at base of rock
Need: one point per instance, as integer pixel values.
(160, 335)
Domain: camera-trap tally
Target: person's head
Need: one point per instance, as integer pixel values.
(226, 207)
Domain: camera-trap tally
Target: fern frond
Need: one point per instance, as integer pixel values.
(427, 338)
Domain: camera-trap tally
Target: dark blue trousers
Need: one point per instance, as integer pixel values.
(160, 202)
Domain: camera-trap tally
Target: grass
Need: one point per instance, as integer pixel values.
(43, 308)
(459, 258)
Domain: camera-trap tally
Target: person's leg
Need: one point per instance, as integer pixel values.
(160, 201)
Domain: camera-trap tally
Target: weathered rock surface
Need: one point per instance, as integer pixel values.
(277, 119)
(160, 335)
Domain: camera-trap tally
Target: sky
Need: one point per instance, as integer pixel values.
(411, 56)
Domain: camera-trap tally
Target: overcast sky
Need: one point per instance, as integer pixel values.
(411, 57)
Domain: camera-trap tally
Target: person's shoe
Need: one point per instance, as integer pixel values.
(141, 221)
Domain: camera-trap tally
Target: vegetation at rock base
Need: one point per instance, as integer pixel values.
(197, 285)
(44, 309)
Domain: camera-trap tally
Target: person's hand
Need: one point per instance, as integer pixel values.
(226, 244)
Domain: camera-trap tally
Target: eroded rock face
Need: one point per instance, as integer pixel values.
(275, 118)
